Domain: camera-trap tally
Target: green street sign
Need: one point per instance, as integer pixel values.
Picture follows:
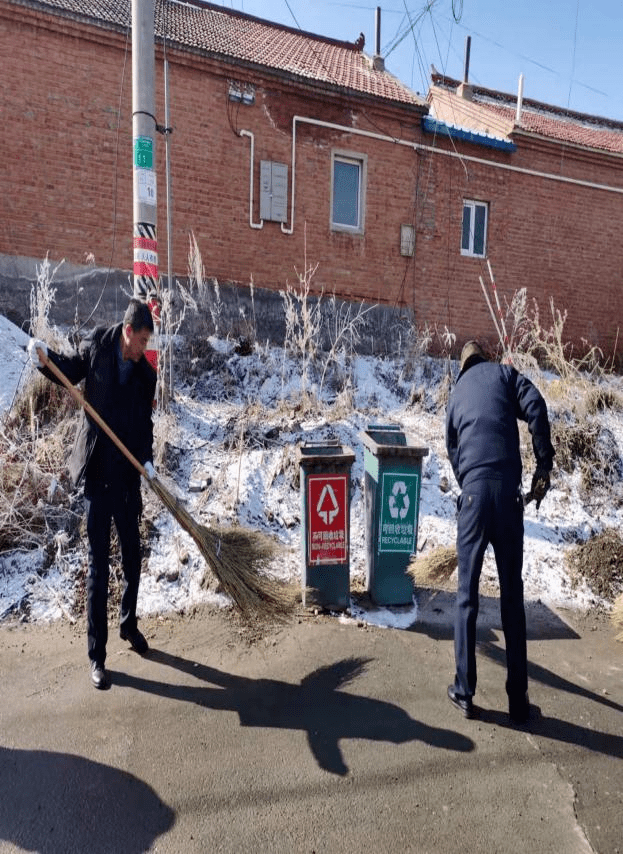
(144, 152)
(398, 516)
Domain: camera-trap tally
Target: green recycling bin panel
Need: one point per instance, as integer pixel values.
(393, 475)
(400, 496)
(325, 540)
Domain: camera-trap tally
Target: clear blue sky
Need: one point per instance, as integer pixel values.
(569, 51)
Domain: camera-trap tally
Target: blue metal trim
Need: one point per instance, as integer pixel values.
(432, 125)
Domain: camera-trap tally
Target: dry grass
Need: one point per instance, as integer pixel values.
(599, 400)
(543, 340)
(35, 505)
(592, 449)
(35, 439)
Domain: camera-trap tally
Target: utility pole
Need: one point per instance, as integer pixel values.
(144, 128)
(144, 147)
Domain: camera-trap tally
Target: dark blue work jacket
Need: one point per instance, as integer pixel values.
(482, 436)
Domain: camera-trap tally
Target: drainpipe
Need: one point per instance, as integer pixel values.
(259, 224)
(417, 146)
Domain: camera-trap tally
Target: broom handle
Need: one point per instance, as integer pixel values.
(491, 311)
(48, 363)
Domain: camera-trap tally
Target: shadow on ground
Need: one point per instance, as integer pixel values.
(317, 706)
(51, 802)
(436, 618)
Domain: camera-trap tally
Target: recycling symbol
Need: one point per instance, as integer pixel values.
(327, 496)
(399, 488)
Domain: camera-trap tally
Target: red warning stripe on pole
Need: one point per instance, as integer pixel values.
(146, 243)
(141, 268)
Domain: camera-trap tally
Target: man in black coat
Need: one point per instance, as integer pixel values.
(120, 385)
(482, 440)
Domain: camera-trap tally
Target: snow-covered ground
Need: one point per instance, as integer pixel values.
(238, 427)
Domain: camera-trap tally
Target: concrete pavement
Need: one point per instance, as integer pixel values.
(316, 737)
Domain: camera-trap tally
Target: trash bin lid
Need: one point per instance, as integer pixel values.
(330, 452)
(391, 441)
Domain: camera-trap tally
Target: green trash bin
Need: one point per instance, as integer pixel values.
(325, 536)
(393, 474)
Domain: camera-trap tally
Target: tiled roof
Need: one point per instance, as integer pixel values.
(236, 36)
(490, 109)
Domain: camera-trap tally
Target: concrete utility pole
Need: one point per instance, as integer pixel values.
(143, 139)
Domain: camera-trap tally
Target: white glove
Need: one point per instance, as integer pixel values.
(150, 471)
(33, 345)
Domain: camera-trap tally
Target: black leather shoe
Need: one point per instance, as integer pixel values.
(463, 704)
(136, 639)
(519, 709)
(99, 677)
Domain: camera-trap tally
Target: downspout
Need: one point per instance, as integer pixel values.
(293, 168)
(259, 224)
(417, 146)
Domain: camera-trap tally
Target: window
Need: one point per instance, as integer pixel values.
(474, 236)
(348, 192)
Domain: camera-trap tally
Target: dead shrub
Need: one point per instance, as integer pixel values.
(599, 561)
(602, 399)
(34, 507)
(39, 400)
(590, 447)
(37, 435)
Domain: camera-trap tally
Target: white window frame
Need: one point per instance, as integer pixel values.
(471, 206)
(361, 161)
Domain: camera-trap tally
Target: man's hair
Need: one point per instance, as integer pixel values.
(471, 353)
(138, 315)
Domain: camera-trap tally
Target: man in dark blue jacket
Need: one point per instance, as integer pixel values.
(120, 385)
(482, 440)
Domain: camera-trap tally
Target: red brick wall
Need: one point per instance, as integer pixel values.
(60, 97)
(67, 178)
(72, 165)
(556, 239)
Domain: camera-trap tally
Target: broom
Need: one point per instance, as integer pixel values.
(617, 616)
(434, 569)
(237, 556)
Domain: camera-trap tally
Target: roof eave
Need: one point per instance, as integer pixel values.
(319, 85)
(554, 140)
(433, 125)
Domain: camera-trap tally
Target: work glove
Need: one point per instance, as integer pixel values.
(540, 485)
(33, 345)
(150, 471)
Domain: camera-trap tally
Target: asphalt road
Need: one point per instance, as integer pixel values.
(317, 737)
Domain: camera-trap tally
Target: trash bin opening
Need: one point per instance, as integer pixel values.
(321, 450)
(387, 437)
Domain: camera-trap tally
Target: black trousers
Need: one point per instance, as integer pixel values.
(104, 504)
(490, 513)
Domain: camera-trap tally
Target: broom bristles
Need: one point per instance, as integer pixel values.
(435, 568)
(238, 557)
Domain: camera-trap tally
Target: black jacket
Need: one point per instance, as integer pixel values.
(482, 436)
(126, 408)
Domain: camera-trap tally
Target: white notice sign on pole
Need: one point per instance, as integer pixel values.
(146, 186)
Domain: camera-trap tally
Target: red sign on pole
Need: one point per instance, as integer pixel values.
(327, 533)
